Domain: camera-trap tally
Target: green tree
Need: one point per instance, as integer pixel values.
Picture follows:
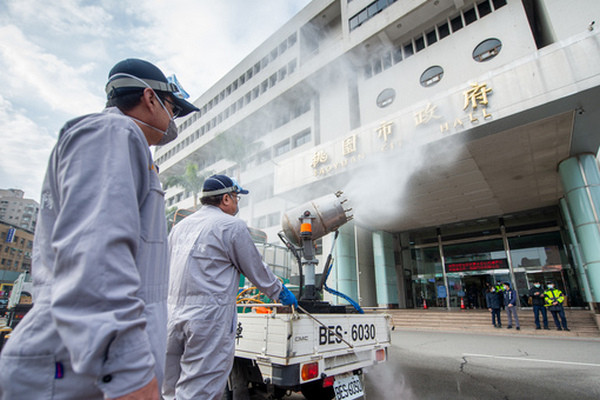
(191, 181)
(237, 148)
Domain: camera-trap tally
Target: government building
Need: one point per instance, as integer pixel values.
(464, 135)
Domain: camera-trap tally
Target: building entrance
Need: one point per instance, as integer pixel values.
(448, 270)
(475, 288)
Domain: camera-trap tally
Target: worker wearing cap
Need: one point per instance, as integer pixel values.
(97, 328)
(208, 250)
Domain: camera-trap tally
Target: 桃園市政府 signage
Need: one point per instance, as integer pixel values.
(421, 126)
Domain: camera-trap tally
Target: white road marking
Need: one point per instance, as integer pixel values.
(530, 359)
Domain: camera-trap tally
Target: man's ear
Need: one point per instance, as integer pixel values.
(148, 98)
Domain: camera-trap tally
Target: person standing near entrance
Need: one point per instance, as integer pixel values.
(537, 301)
(554, 302)
(510, 302)
(493, 301)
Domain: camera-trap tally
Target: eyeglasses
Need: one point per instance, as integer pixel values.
(235, 196)
(176, 109)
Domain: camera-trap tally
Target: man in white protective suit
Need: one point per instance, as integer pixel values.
(208, 251)
(97, 329)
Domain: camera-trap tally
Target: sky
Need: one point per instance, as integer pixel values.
(55, 57)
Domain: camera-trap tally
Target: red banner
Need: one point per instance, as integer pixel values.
(477, 265)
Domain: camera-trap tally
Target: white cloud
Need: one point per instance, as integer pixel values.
(25, 150)
(32, 75)
(201, 41)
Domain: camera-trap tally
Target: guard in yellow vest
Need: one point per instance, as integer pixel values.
(554, 303)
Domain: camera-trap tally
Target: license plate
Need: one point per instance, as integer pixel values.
(347, 387)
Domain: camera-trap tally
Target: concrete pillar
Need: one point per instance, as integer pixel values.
(580, 177)
(345, 264)
(575, 250)
(385, 269)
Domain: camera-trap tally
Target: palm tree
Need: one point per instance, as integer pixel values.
(191, 181)
(236, 148)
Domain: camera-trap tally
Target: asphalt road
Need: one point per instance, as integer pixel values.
(441, 365)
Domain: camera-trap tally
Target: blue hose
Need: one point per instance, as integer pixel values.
(339, 294)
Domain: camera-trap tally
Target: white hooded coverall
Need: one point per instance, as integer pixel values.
(208, 251)
(100, 270)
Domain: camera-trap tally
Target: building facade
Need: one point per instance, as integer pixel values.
(464, 134)
(16, 246)
(18, 211)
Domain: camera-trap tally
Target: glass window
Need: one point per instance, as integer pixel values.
(456, 23)
(264, 156)
(408, 50)
(472, 266)
(373, 9)
(487, 50)
(470, 16)
(541, 257)
(484, 8)
(387, 60)
(419, 43)
(474, 251)
(397, 55)
(353, 23)
(498, 3)
(292, 66)
(431, 37)
(368, 71)
(282, 73)
(273, 219)
(302, 138)
(362, 16)
(427, 278)
(386, 97)
(292, 39)
(282, 148)
(377, 66)
(432, 75)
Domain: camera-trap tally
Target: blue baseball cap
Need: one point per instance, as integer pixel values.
(221, 184)
(121, 81)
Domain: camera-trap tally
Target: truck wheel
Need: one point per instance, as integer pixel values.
(316, 391)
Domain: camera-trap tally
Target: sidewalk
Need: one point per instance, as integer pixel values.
(581, 322)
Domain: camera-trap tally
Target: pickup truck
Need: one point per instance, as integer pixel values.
(321, 355)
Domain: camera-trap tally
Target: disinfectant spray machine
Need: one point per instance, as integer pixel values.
(319, 349)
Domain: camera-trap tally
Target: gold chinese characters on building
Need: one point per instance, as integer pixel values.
(475, 103)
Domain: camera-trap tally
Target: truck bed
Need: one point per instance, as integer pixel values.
(281, 343)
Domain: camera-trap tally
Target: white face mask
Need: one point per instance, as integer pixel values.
(550, 286)
(171, 133)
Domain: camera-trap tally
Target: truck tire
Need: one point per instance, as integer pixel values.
(315, 391)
